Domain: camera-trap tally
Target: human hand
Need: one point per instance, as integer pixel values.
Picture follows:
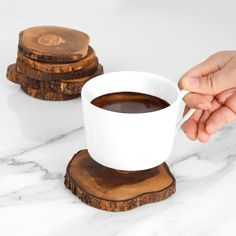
(212, 84)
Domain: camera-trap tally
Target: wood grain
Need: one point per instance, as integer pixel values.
(44, 94)
(53, 44)
(28, 71)
(60, 67)
(70, 87)
(114, 190)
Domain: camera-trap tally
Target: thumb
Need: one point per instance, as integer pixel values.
(211, 84)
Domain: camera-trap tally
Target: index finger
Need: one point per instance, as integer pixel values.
(210, 65)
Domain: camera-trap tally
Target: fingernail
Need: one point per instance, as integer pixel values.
(202, 106)
(193, 82)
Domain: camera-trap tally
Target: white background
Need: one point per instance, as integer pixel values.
(38, 138)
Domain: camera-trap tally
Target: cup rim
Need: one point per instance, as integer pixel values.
(83, 96)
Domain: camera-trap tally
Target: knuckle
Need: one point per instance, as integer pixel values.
(220, 54)
(217, 55)
(212, 82)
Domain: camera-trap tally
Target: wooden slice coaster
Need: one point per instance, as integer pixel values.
(18, 78)
(14, 76)
(74, 86)
(47, 95)
(60, 67)
(53, 44)
(26, 70)
(113, 190)
(70, 87)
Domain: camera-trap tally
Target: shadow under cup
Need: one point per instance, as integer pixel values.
(130, 141)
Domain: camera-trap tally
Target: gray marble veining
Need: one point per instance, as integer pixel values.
(38, 138)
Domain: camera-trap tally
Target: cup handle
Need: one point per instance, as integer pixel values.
(183, 93)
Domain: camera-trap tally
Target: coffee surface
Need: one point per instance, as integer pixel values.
(130, 102)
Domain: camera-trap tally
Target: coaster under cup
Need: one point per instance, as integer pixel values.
(115, 190)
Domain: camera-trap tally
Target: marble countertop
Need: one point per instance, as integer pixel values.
(38, 138)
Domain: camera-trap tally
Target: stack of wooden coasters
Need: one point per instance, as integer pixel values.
(53, 62)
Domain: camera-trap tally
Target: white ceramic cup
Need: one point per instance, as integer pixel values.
(131, 141)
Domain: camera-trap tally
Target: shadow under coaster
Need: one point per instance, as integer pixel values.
(115, 190)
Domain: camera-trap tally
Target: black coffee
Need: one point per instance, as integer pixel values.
(130, 102)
